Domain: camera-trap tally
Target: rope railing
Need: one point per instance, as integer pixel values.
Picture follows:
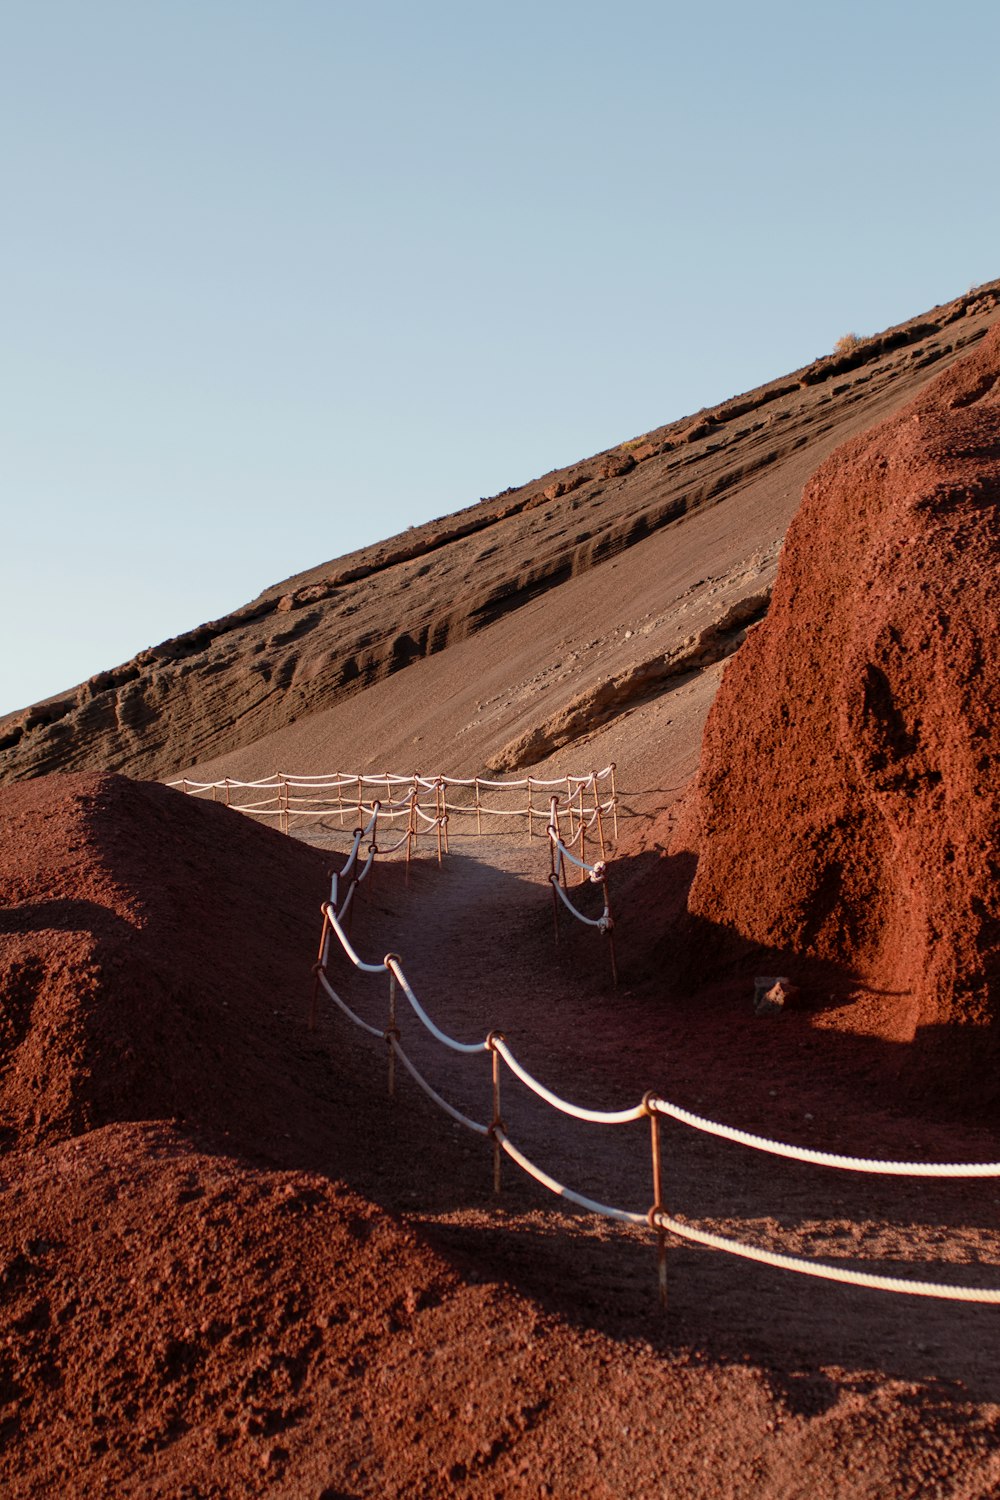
(651, 1107)
(301, 797)
(597, 874)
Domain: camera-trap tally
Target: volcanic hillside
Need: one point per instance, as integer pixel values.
(525, 621)
(230, 1266)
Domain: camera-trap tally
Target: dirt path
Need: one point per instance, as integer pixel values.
(475, 938)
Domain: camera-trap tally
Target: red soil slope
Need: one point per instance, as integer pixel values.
(215, 1305)
(849, 807)
(135, 985)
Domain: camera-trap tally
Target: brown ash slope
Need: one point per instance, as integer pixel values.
(308, 645)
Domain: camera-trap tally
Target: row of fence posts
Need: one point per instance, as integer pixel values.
(574, 806)
(497, 1125)
(599, 875)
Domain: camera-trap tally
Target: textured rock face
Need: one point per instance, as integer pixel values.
(849, 803)
(315, 640)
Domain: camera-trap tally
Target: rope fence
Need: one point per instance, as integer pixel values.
(298, 799)
(651, 1106)
(584, 802)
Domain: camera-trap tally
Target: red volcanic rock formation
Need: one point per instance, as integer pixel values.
(148, 942)
(849, 804)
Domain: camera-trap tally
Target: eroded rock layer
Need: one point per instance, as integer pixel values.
(314, 640)
(849, 804)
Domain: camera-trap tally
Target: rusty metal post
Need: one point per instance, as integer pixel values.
(657, 1208)
(554, 818)
(497, 1121)
(553, 877)
(184, 785)
(227, 791)
(600, 832)
(598, 814)
(411, 819)
(614, 801)
(373, 850)
(583, 851)
(531, 812)
(391, 1030)
(317, 967)
(611, 932)
(479, 811)
(438, 815)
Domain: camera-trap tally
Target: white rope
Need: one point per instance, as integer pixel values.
(825, 1158)
(594, 1116)
(345, 906)
(366, 867)
(433, 1094)
(372, 1030)
(603, 922)
(391, 848)
(352, 857)
(561, 1190)
(393, 965)
(345, 944)
(596, 872)
(825, 1272)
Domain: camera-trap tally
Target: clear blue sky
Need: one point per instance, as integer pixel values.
(280, 279)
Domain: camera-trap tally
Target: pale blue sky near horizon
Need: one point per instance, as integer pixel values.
(281, 280)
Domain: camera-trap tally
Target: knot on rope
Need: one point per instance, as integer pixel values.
(605, 924)
(598, 873)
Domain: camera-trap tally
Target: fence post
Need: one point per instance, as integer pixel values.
(392, 1030)
(610, 930)
(614, 800)
(411, 819)
(531, 812)
(649, 1104)
(479, 813)
(554, 813)
(438, 814)
(497, 1120)
(373, 848)
(317, 968)
(553, 877)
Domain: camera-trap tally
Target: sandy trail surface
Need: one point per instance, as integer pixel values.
(231, 1265)
(476, 942)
